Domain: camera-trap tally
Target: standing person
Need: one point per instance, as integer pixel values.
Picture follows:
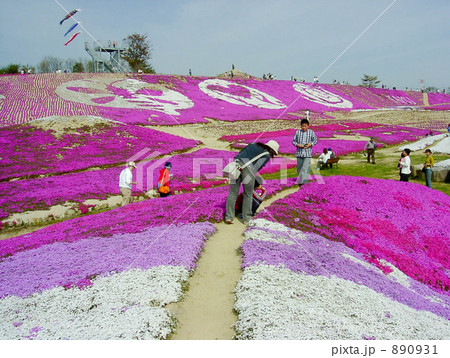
(429, 163)
(255, 156)
(303, 140)
(164, 180)
(370, 147)
(125, 182)
(405, 165)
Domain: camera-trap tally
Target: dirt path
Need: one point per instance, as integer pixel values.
(206, 311)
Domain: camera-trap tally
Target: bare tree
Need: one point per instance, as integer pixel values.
(50, 64)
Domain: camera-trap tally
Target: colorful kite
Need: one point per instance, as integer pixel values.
(69, 15)
(72, 38)
(73, 26)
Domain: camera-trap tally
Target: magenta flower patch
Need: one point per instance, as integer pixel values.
(402, 223)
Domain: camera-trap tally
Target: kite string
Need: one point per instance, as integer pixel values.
(89, 34)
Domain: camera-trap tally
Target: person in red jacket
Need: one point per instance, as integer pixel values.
(164, 180)
(259, 194)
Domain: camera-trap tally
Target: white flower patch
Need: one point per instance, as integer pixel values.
(319, 95)
(443, 164)
(422, 143)
(2, 97)
(257, 98)
(276, 303)
(286, 235)
(128, 305)
(442, 147)
(402, 99)
(169, 102)
(140, 95)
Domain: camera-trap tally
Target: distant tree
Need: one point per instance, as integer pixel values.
(78, 67)
(50, 64)
(10, 69)
(370, 81)
(431, 89)
(138, 53)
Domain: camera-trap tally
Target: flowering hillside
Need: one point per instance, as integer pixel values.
(338, 258)
(172, 100)
(107, 276)
(355, 258)
(73, 150)
(387, 134)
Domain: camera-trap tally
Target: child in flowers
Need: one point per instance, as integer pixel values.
(304, 139)
(258, 154)
(429, 162)
(405, 166)
(125, 182)
(259, 194)
(164, 180)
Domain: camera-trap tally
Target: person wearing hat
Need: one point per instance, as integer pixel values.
(429, 163)
(370, 147)
(247, 178)
(304, 139)
(164, 180)
(125, 182)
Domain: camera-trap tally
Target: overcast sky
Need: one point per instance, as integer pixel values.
(301, 38)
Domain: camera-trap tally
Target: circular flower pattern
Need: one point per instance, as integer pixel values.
(319, 95)
(239, 94)
(128, 93)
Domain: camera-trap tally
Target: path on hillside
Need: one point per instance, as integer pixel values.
(206, 311)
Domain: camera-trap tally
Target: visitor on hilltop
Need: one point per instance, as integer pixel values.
(429, 163)
(405, 166)
(259, 194)
(164, 180)
(448, 130)
(251, 160)
(370, 148)
(323, 158)
(304, 139)
(125, 182)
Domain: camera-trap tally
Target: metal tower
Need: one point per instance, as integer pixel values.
(112, 63)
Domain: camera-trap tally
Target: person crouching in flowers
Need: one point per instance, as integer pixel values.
(259, 194)
(429, 163)
(256, 156)
(164, 180)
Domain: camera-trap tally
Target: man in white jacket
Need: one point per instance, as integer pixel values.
(405, 165)
(125, 182)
